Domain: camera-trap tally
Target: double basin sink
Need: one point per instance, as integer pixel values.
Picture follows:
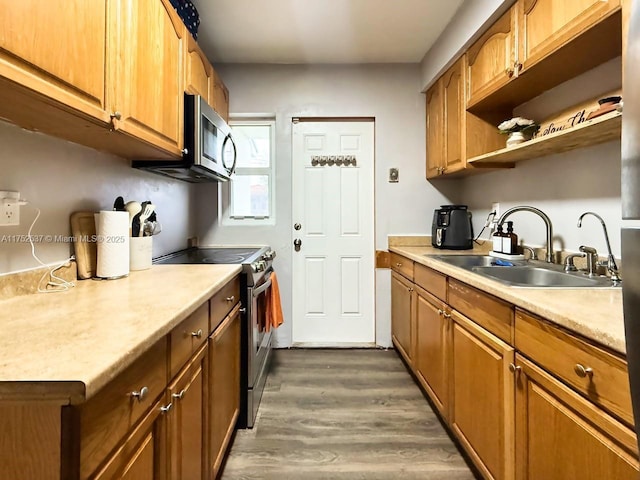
(523, 273)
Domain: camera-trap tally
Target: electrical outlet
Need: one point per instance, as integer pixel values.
(9, 208)
(495, 207)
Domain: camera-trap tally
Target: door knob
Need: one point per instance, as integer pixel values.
(297, 243)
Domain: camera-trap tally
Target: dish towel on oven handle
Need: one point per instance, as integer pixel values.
(274, 306)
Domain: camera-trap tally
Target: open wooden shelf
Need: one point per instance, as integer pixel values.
(599, 130)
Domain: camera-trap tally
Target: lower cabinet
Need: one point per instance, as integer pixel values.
(563, 412)
(433, 339)
(402, 316)
(186, 421)
(483, 405)
(562, 436)
(224, 387)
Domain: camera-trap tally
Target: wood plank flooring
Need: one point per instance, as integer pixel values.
(343, 414)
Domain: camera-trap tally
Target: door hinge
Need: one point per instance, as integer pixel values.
(295, 120)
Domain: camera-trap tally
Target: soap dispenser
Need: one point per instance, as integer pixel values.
(510, 241)
(498, 238)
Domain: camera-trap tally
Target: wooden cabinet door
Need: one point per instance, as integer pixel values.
(199, 72)
(491, 60)
(483, 398)
(186, 427)
(224, 387)
(220, 97)
(142, 455)
(58, 49)
(546, 25)
(562, 436)
(433, 328)
(146, 72)
(454, 114)
(435, 130)
(402, 306)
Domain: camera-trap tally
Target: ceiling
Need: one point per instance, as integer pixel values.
(321, 31)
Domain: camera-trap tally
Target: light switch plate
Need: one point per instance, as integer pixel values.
(9, 211)
(394, 175)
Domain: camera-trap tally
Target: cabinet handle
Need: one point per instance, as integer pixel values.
(410, 289)
(197, 334)
(178, 396)
(231, 298)
(582, 372)
(515, 369)
(510, 72)
(116, 115)
(243, 310)
(446, 315)
(440, 312)
(185, 151)
(517, 66)
(398, 265)
(141, 394)
(166, 408)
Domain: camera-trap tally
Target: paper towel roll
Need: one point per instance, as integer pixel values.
(112, 230)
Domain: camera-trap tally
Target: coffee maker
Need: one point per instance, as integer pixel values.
(451, 228)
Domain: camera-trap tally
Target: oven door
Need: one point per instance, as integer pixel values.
(260, 339)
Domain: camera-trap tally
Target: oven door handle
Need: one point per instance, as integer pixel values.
(258, 291)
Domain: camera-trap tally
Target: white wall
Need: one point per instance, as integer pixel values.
(469, 22)
(60, 177)
(391, 94)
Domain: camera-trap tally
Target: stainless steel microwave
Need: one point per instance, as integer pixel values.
(209, 150)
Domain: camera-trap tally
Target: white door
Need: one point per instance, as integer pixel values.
(333, 220)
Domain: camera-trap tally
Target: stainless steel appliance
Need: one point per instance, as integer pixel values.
(631, 206)
(209, 153)
(257, 268)
(451, 228)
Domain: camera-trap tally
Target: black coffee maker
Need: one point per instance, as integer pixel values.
(451, 228)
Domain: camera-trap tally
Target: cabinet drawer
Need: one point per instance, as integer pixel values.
(433, 282)
(223, 301)
(563, 354)
(187, 337)
(490, 312)
(402, 265)
(108, 416)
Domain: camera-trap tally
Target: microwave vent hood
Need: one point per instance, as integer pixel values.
(184, 171)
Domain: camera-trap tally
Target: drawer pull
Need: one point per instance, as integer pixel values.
(166, 408)
(178, 396)
(197, 334)
(583, 372)
(515, 369)
(141, 394)
(231, 298)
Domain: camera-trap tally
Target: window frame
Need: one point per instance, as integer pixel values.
(225, 198)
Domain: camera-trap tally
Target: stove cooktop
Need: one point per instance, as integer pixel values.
(211, 255)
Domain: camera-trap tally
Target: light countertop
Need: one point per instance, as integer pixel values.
(595, 313)
(64, 347)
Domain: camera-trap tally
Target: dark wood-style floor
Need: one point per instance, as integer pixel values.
(343, 414)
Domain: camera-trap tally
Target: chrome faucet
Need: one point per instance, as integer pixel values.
(543, 216)
(611, 265)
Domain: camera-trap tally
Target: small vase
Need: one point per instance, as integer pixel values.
(515, 138)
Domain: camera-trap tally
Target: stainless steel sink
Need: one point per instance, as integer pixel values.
(531, 274)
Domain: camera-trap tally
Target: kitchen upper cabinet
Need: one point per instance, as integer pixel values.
(483, 398)
(58, 49)
(220, 97)
(402, 315)
(186, 421)
(453, 83)
(224, 387)
(433, 329)
(546, 25)
(491, 60)
(435, 130)
(199, 72)
(146, 72)
(562, 436)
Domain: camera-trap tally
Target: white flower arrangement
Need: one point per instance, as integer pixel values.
(518, 124)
